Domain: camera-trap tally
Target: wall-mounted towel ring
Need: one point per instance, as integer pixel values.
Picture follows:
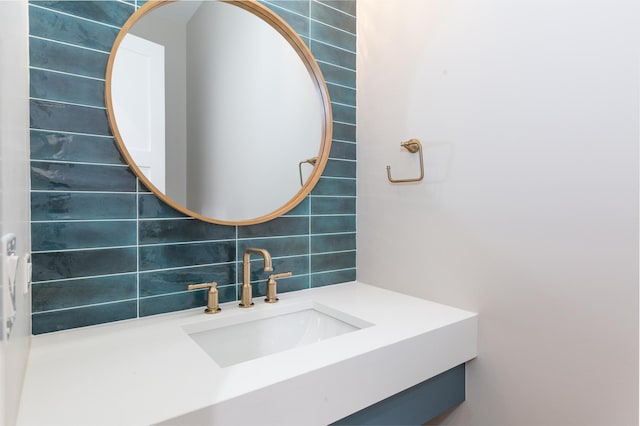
(413, 146)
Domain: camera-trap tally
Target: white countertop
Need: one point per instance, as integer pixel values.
(147, 371)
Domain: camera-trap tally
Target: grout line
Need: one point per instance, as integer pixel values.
(66, 103)
(176, 268)
(333, 27)
(149, 219)
(344, 105)
(333, 252)
(320, 61)
(57, 191)
(342, 159)
(69, 44)
(343, 141)
(344, 123)
(182, 243)
(66, 73)
(341, 86)
(78, 162)
(336, 47)
(334, 177)
(333, 270)
(82, 249)
(111, 302)
(83, 220)
(65, 132)
(83, 278)
(333, 196)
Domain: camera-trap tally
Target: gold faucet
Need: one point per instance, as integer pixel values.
(212, 301)
(246, 299)
(271, 286)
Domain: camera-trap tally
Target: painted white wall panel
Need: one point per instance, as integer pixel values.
(528, 113)
(14, 191)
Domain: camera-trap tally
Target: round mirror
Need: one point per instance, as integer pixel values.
(219, 108)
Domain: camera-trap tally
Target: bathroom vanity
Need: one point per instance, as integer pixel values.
(315, 357)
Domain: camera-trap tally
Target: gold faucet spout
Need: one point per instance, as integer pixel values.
(246, 299)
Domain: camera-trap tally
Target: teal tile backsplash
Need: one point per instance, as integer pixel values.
(104, 248)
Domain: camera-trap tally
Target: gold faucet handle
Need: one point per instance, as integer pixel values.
(271, 286)
(280, 275)
(212, 296)
(202, 285)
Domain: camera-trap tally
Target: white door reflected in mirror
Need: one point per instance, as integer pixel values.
(138, 102)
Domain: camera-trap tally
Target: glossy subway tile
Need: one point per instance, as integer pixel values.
(343, 150)
(333, 36)
(299, 23)
(180, 301)
(280, 246)
(283, 285)
(55, 86)
(151, 207)
(335, 187)
(333, 242)
(332, 277)
(141, 187)
(333, 205)
(182, 230)
(338, 75)
(294, 283)
(47, 115)
(298, 6)
(107, 12)
(332, 261)
(48, 236)
(52, 206)
(46, 322)
(301, 209)
(342, 95)
(298, 265)
(61, 57)
(83, 263)
(81, 177)
(344, 132)
(333, 55)
(331, 224)
(343, 113)
(53, 295)
(69, 147)
(333, 17)
(177, 255)
(346, 6)
(276, 227)
(48, 24)
(176, 280)
(340, 168)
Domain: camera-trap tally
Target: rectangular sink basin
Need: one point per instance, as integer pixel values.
(240, 342)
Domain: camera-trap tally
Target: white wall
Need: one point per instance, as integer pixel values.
(249, 92)
(529, 211)
(14, 190)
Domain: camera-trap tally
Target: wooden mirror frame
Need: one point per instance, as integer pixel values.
(315, 73)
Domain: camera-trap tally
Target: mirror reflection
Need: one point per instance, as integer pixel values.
(217, 109)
